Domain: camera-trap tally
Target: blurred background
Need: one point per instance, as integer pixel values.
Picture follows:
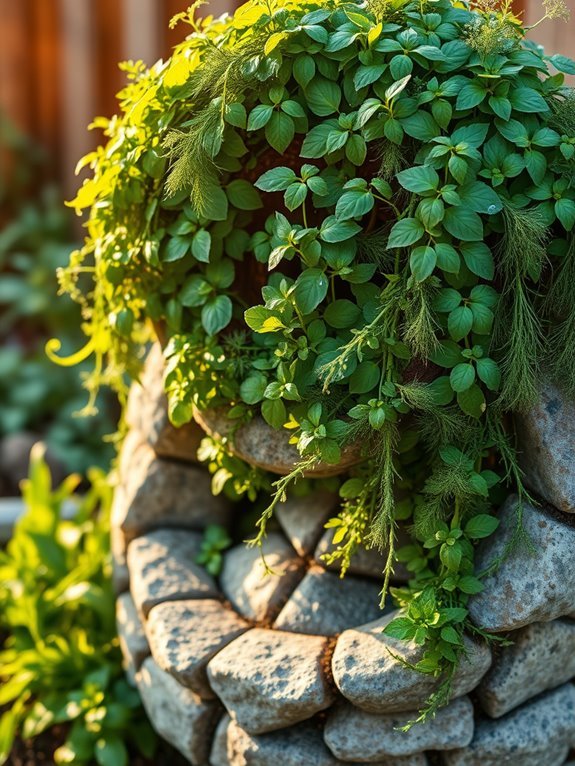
(58, 69)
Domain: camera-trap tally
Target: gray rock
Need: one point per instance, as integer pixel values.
(147, 411)
(131, 634)
(185, 635)
(537, 734)
(366, 562)
(120, 573)
(255, 593)
(323, 604)
(540, 658)
(261, 445)
(158, 492)
(162, 568)
(352, 734)
(299, 745)
(303, 518)
(270, 680)
(535, 583)
(372, 679)
(546, 439)
(177, 714)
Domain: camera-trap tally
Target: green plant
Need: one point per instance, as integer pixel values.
(36, 395)
(215, 540)
(60, 661)
(396, 177)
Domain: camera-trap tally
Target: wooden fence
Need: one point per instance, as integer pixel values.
(58, 62)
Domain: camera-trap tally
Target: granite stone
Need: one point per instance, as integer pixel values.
(254, 592)
(537, 734)
(162, 568)
(365, 562)
(303, 518)
(352, 734)
(131, 634)
(270, 680)
(324, 604)
(160, 493)
(185, 635)
(541, 657)
(177, 714)
(546, 439)
(369, 676)
(535, 581)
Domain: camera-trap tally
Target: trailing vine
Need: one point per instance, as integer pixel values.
(355, 220)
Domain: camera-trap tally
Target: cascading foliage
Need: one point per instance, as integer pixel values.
(355, 220)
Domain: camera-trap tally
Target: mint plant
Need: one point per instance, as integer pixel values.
(355, 220)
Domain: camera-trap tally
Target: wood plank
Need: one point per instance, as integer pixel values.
(108, 46)
(141, 33)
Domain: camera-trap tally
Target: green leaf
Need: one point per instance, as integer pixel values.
(563, 63)
(480, 198)
(235, 114)
(463, 223)
(201, 246)
(342, 314)
(451, 556)
(111, 751)
(304, 69)
(334, 231)
(295, 195)
(480, 526)
(195, 291)
(448, 258)
(274, 413)
(253, 387)
(527, 100)
(462, 377)
(449, 634)
(478, 259)
(422, 262)
(261, 320)
(354, 204)
(365, 378)
(401, 628)
(421, 126)
(310, 289)
(276, 179)
(447, 354)
(406, 232)
(472, 401)
(176, 249)
(280, 131)
(215, 205)
(460, 322)
(323, 96)
(217, 314)
(488, 371)
(470, 585)
(260, 116)
(565, 212)
(471, 95)
(419, 179)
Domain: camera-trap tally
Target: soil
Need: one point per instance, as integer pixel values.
(39, 752)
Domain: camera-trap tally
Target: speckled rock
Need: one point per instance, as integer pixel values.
(546, 435)
(366, 562)
(133, 641)
(300, 745)
(540, 658)
(159, 492)
(185, 635)
(177, 714)
(270, 680)
(369, 677)
(537, 734)
(120, 572)
(527, 587)
(324, 604)
(147, 412)
(162, 567)
(261, 445)
(352, 734)
(303, 518)
(255, 593)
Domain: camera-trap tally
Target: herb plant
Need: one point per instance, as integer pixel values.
(60, 660)
(354, 219)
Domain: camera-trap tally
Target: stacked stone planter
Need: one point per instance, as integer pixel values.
(292, 668)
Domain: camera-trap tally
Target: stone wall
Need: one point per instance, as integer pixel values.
(292, 668)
